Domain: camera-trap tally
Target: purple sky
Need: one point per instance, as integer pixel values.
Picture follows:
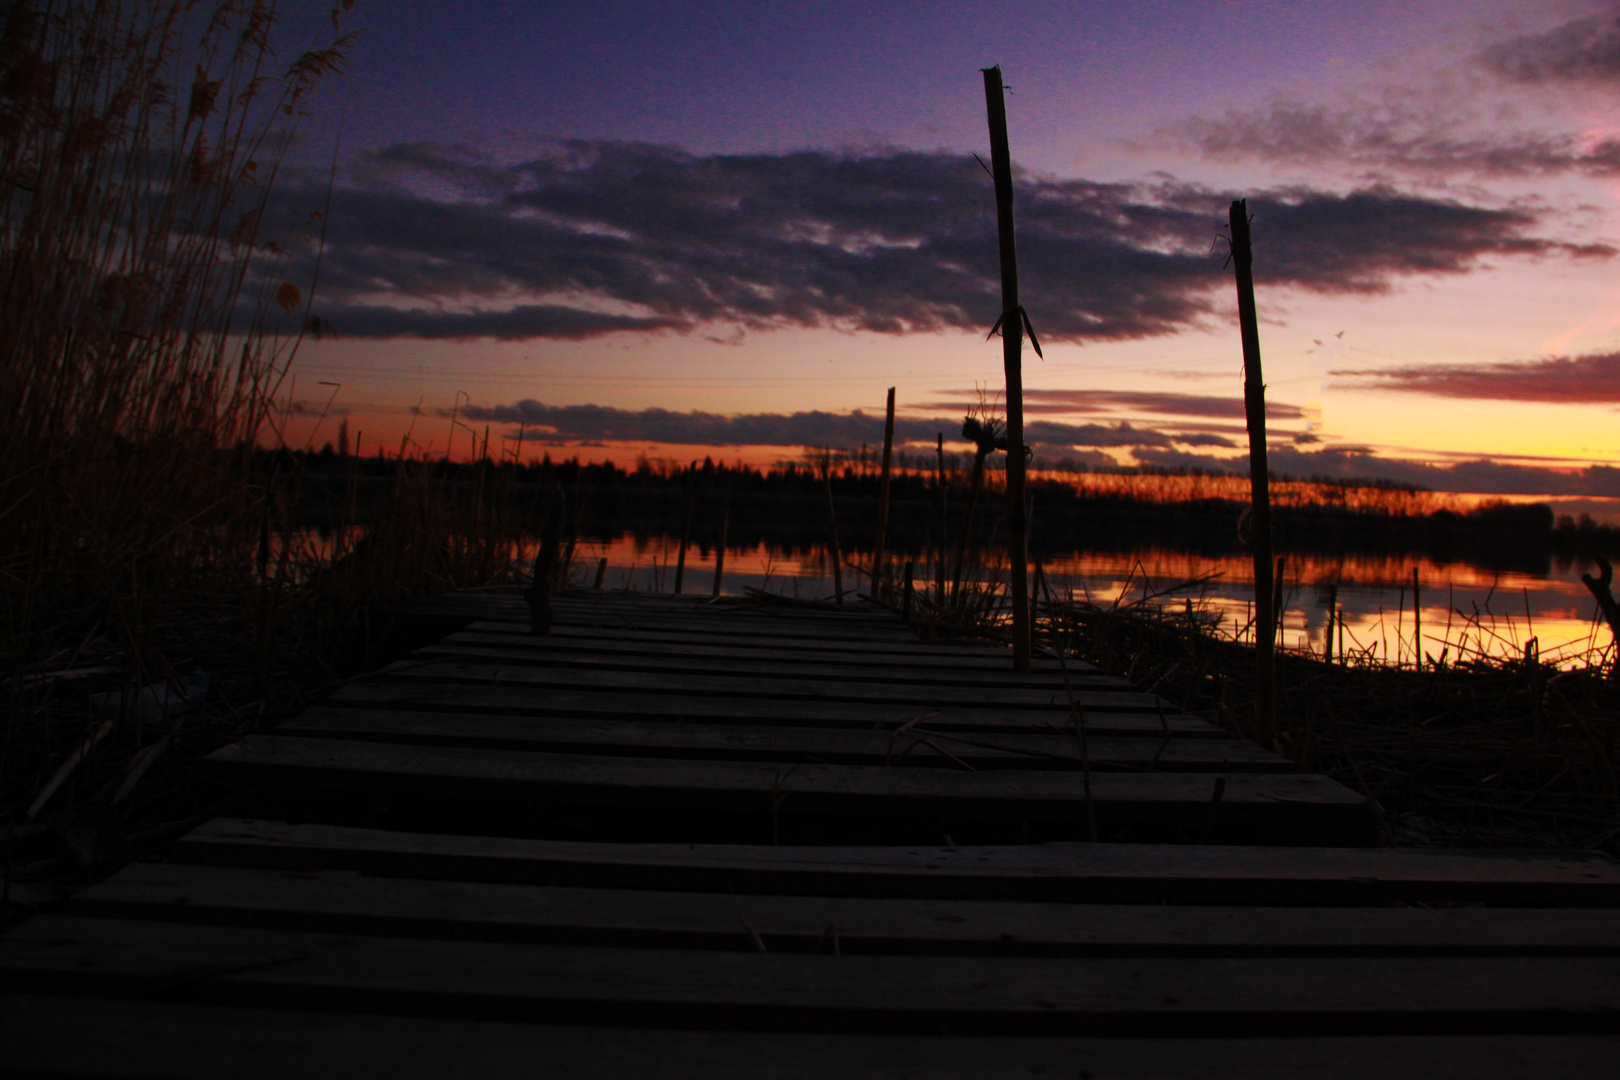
(751, 211)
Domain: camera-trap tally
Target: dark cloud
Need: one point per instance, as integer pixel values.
(1583, 50)
(567, 423)
(1161, 404)
(1405, 136)
(514, 324)
(1358, 463)
(1575, 380)
(598, 237)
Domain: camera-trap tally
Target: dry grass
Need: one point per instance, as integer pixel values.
(1478, 752)
(149, 326)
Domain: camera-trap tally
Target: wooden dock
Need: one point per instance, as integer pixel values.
(679, 839)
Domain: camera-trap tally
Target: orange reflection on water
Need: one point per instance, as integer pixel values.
(1466, 609)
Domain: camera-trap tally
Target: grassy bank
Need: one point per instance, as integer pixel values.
(1473, 752)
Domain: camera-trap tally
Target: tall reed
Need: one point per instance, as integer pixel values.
(147, 325)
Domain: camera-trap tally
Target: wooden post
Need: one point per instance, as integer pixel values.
(1035, 588)
(1254, 408)
(686, 535)
(601, 572)
(905, 608)
(944, 521)
(883, 501)
(720, 551)
(1333, 615)
(1280, 587)
(832, 525)
(545, 570)
(1012, 343)
(1417, 622)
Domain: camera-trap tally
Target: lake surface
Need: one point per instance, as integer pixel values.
(1465, 610)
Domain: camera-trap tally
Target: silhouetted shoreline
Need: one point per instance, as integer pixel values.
(787, 508)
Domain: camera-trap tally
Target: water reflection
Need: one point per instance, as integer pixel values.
(1464, 610)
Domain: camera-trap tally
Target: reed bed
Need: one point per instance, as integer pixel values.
(159, 594)
(1476, 750)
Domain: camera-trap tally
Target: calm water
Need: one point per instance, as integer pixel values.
(1464, 609)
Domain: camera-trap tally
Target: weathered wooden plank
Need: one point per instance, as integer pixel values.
(1067, 872)
(64, 1036)
(350, 903)
(1101, 690)
(792, 992)
(1301, 805)
(848, 746)
(696, 623)
(724, 620)
(943, 674)
(992, 657)
(1106, 712)
(725, 607)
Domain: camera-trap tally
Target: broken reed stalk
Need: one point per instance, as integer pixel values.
(1012, 342)
(883, 500)
(832, 527)
(1599, 588)
(720, 549)
(1254, 408)
(686, 536)
(1076, 713)
(975, 484)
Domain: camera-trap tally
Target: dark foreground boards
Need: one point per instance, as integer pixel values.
(50, 1037)
(499, 858)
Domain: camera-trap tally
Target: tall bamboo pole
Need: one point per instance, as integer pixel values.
(883, 501)
(1254, 407)
(1012, 345)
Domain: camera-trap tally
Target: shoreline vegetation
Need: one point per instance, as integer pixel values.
(1196, 512)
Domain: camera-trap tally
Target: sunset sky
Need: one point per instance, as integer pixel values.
(722, 228)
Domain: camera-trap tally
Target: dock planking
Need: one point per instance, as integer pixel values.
(755, 663)
(531, 892)
(922, 745)
(728, 990)
(744, 683)
(349, 902)
(883, 657)
(49, 1036)
(1105, 713)
(1277, 807)
(1066, 872)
